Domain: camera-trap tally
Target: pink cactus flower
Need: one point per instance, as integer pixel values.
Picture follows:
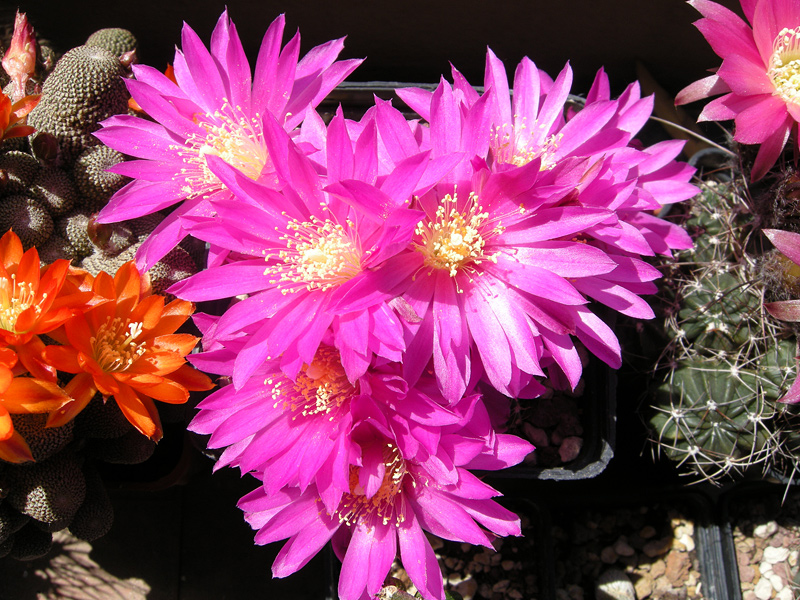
(759, 75)
(214, 111)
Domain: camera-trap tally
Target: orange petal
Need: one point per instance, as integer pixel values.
(181, 343)
(192, 379)
(30, 355)
(127, 282)
(15, 449)
(10, 249)
(28, 395)
(6, 424)
(140, 411)
(28, 269)
(148, 312)
(80, 390)
(24, 105)
(167, 391)
(63, 358)
(159, 362)
(16, 131)
(79, 333)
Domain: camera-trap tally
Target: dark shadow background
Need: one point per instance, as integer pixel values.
(414, 40)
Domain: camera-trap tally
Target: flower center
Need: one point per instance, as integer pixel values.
(511, 148)
(319, 254)
(784, 64)
(356, 508)
(320, 388)
(231, 136)
(114, 346)
(14, 299)
(456, 238)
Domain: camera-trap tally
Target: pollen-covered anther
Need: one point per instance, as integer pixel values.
(15, 298)
(784, 64)
(457, 237)
(356, 508)
(231, 136)
(114, 346)
(318, 254)
(514, 146)
(320, 388)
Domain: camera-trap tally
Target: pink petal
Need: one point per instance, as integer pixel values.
(419, 560)
(702, 88)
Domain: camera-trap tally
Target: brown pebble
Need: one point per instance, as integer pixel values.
(608, 556)
(746, 573)
(570, 448)
(677, 568)
(658, 568)
(657, 547)
(643, 587)
(647, 532)
(536, 435)
(622, 548)
(507, 565)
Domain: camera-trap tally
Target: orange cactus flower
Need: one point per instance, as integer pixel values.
(12, 116)
(33, 302)
(127, 348)
(21, 395)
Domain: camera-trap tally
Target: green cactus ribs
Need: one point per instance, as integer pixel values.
(715, 407)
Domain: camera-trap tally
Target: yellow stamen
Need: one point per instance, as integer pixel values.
(320, 388)
(114, 347)
(784, 64)
(510, 146)
(231, 136)
(16, 298)
(456, 239)
(319, 254)
(356, 508)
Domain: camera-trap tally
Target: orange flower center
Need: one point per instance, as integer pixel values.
(16, 298)
(356, 507)
(456, 238)
(319, 253)
(784, 64)
(320, 388)
(231, 136)
(114, 347)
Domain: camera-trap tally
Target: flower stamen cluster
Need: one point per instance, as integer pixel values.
(319, 254)
(357, 508)
(15, 298)
(457, 237)
(114, 346)
(784, 64)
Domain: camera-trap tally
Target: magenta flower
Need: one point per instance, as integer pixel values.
(295, 432)
(759, 75)
(390, 500)
(214, 110)
(296, 251)
(527, 228)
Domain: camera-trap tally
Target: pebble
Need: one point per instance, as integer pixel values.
(644, 586)
(514, 594)
(658, 568)
(687, 541)
(785, 594)
(746, 573)
(507, 565)
(765, 529)
(677, 567)
(622, 548)
(570, 448)
(467, 588)
(501, 586)
(763, 589)
(774, 555)
(647, 532)
(536, 435)
(608, 556)
(657, 547)
(614, 585)
(777, 583)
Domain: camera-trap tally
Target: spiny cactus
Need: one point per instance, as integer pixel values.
(728, 362)
(17, 171)
(92, 177)
(28, 218)
(43, 441)
(85, 88)
(54, 189)
(115, 40)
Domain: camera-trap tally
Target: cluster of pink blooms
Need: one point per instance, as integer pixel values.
(383, 271)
